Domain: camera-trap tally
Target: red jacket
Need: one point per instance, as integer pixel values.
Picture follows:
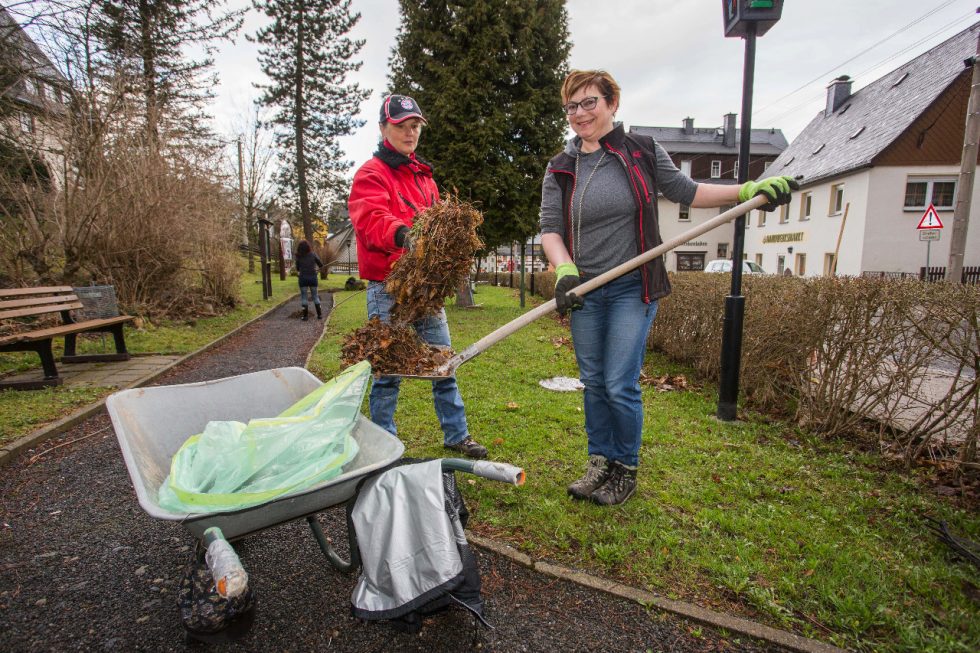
(388, 191)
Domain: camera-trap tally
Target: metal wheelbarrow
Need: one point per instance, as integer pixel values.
(152, 423)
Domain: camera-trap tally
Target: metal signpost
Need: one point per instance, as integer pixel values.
(744, 19)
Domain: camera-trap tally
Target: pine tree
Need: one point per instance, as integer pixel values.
(488, 75)
(146, 41)
(307, 56)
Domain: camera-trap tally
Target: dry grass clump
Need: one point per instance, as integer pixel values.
(445, 239)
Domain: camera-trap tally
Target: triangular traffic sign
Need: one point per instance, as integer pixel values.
(930, 219)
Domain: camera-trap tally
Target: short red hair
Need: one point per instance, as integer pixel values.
(579, 79)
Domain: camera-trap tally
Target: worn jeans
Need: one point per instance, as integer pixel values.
(610, 335)
(445, 393)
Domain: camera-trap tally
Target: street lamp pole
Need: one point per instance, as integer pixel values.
(745, 19)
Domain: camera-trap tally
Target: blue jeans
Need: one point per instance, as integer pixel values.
(445, 393)
(610, 335)
(314, 295)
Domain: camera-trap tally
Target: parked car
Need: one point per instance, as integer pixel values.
(725, 265)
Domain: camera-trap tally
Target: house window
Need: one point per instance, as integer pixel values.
(735, 175)
(722, 250)
(762, 219)
(690, 261)
(686, 167)
(828, 264)
(920, 191)
(805, 202)
(26, 122)
(836, 199)
(758, 260)
(783, 213)
(780, 264)
(715, 169)
(684, 214)
(800, 265)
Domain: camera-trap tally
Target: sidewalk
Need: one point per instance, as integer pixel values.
(116, 374)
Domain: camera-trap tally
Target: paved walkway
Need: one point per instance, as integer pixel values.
(117, 374)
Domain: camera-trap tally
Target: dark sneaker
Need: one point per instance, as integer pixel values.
(469, 447)
(596, 473)
(619, 487)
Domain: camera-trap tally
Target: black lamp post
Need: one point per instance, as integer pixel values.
(743, 19)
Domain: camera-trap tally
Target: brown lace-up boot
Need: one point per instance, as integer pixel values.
(596, 473)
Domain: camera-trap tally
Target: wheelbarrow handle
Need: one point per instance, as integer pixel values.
(521, 321)
(494, 471)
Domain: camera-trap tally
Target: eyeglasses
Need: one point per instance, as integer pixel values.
(588, 104)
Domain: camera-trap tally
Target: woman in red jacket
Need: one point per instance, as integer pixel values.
(388, 191)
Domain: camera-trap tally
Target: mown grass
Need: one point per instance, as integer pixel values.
(24, 411)
(754, 517)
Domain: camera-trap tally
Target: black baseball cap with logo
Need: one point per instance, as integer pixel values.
(398, 108)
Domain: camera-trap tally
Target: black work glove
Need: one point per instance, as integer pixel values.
(567, 279)
(403, 238)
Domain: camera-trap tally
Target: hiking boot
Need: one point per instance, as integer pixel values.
(319, 314)
(619, 487)
(306, 313)
(596, 473)
(469, 447)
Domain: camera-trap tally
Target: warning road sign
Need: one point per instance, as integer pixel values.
(930, 219)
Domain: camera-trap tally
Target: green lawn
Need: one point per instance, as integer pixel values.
(24, 411)
(753, 517)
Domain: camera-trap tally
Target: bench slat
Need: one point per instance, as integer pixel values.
(46, 290)
(37, 301)
(64, 329)
(40, 310)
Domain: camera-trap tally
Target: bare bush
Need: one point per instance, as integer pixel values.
(897, 361)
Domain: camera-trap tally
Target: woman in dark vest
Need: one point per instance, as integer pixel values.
(599, 209)
(308, 265)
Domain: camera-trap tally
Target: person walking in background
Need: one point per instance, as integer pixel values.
(388, 191)
(598, 210)
(308, 265)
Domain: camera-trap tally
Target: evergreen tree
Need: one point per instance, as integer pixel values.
(307, 56)
(488, 75)
(146, 41)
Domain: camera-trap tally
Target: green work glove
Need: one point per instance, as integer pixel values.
(567, 278)
(777, 189)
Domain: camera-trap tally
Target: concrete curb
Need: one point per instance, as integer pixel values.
(12, 450)
(690, 611)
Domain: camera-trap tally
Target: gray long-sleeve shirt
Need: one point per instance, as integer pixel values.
(604, 223)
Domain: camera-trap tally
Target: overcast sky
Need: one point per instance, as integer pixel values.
(671, 57)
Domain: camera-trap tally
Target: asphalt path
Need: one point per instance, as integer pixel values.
(83, 568)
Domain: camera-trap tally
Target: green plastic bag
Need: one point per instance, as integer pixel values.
(232, 465)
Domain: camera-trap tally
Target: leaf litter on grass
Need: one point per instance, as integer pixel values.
(445, 239)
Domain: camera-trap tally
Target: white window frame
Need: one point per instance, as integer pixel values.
(762, 218)
(686, 167)
(683, 213)
(836, 199)
(806, 206)
(735, 175)
(929, 182)
(26, 122)
(716, 169)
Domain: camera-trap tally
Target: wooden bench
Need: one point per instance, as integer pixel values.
(36, 302)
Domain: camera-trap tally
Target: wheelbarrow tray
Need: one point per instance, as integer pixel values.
(152, 423)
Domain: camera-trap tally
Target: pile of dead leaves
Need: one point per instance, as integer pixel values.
(392, 349)
(665, 383)
(444, 237)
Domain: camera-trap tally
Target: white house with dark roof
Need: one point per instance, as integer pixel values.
(883, 153)
(707, 154)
